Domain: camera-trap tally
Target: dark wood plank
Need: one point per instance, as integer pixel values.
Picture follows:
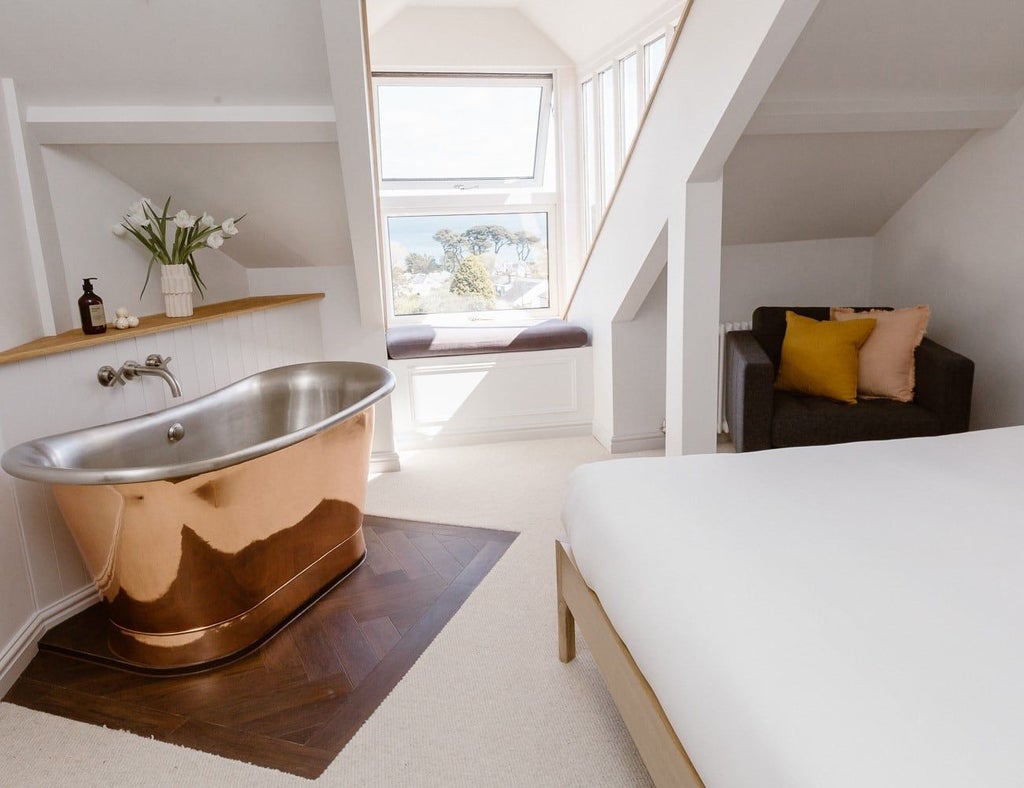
(293, 704)
(411, 559)
(379, 559)
(382, 634)
(406, 617)
(354, 650)
(437, 556)
(94, 709)
(461, 549)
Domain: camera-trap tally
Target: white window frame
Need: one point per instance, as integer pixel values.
(540, 194)
(426, 79)
(593, 161)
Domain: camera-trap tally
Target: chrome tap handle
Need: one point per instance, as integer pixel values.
(108, 376)
(156, 361)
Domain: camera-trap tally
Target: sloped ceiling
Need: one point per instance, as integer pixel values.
(881, 48)
(104, 52)
(580, 28)
(797, 187)
(292, 195)
(792, 187)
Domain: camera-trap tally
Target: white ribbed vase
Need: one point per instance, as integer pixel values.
(176, 284)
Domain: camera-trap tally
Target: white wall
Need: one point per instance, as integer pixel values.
(958, 245)
(463, 38)
(19, 313)
(87, 201)
(830, 272)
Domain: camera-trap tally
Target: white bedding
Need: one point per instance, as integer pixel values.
(828, 616)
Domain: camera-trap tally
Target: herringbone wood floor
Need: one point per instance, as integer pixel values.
(293, 704)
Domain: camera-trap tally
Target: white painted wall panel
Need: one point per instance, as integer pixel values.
(487, 397)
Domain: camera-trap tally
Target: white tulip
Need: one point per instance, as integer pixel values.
(215, 241)
(136, 208)
(184, 219)
(118, 230)
(207, 221)
(228, 227)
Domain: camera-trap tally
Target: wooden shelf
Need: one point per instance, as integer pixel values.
(150, 324)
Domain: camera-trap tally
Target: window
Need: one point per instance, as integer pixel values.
(654, 59)
(591, 156)
(468, 262)
(445, 131)
(612, 100)
(629, 95)
(468, 191)
(610, 166)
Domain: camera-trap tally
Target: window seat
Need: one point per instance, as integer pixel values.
(424, 341)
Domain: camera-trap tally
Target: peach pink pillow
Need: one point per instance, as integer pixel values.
(886, 366)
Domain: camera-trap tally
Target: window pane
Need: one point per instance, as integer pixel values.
(606, 84)
(590, 159)
(468, 262)
(458, 132)
(630, 100)
(654, 58)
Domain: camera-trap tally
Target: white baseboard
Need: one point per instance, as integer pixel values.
(445, 439)
(620, 444)
(22, 647)
(385, 462)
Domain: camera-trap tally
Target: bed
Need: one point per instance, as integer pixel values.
(823, 616)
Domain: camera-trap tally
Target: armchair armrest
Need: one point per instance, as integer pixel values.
(943, 383)
(750, 379)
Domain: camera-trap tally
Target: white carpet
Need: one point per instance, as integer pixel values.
(488, 703)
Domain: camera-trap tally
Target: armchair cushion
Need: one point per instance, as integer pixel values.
(820, 357)
(811, 421)
(886, 366)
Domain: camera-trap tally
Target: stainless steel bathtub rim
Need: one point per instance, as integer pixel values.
(36, 460)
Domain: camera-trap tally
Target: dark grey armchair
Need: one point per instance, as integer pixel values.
(761, 418)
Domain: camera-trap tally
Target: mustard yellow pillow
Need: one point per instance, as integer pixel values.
(820, 357)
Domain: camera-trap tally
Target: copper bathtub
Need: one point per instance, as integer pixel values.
(208, 525)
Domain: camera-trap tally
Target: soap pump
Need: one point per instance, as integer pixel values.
(90, 307)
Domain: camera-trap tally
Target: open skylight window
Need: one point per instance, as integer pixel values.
(458, 131)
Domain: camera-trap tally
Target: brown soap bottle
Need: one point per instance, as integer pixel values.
(90, 307)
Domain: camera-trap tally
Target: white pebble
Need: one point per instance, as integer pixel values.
(122, 311)
(121, 322)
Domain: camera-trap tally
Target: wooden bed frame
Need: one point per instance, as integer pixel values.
(659, 747)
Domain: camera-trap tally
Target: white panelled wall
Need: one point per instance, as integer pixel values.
(44, 579)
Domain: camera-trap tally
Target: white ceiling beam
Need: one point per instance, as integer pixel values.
(831, 116)
(348, 61)
(167, 124)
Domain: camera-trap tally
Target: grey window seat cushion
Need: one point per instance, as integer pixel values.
(423, 341)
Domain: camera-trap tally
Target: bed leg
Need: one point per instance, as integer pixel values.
(566, 622)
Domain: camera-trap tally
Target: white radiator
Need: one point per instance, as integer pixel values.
(723, 329)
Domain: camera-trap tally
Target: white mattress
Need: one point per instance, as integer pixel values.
(828, 616)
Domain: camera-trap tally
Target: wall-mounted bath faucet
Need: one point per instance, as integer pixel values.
(155, 365)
